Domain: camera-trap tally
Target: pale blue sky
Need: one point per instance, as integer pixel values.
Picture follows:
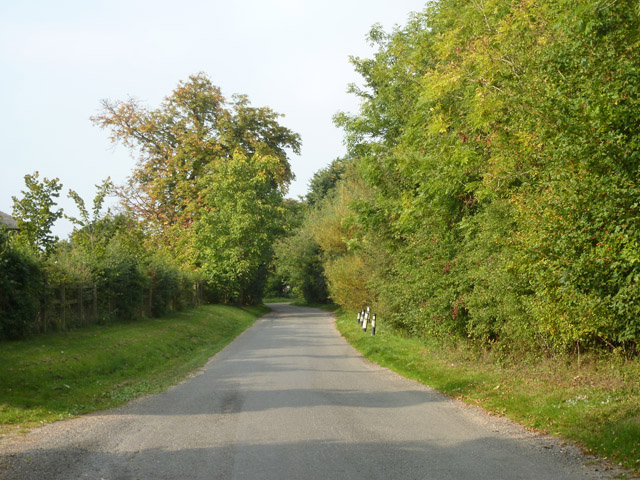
(58, 59)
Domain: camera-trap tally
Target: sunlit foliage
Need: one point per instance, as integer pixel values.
(499, 142)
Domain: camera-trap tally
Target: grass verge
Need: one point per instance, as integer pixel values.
(331, 307)
(64, 374)
(278, 300)
(595, 403)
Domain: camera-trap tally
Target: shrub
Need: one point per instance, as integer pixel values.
(21, 283)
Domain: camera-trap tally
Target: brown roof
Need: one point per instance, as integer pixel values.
(8, 220)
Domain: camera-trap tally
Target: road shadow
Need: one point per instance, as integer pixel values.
(479, 459)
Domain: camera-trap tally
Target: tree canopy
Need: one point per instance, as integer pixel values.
(498, 144)
(36, 214)
(210, 179)
(180, 144)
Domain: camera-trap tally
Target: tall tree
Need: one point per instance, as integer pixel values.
(235, 236)
(36, 213)
(180, 143)
(86, 224)
(210, 180)
(325, 180)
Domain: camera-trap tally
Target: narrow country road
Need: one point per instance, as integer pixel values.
(290, 399)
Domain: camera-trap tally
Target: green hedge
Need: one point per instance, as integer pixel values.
(501, 146)
(21, 281)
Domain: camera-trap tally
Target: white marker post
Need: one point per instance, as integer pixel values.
(366, 318)
(373, 325)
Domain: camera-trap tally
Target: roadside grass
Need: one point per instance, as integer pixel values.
(594, 403)
(60, 375)
(279, 300)
(331, 307)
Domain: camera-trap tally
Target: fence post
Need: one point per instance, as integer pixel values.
(80, 305)
(63, 304)
(149, 313)
(44, 308)
(95, 302)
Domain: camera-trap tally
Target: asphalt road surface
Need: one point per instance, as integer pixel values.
(290, 399)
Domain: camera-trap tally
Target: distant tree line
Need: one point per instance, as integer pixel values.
(491, 192)
(199, 213)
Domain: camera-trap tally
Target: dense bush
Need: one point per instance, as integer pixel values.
(166, 285)
(298, 262)
(499, 146)
(121, 284)
(21, 284)
(130, 281)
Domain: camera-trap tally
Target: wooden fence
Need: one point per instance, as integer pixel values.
(76, 305)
